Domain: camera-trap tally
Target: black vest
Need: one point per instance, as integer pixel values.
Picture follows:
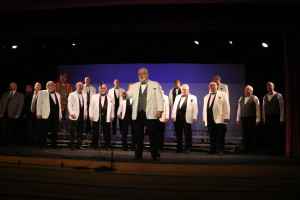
(54, 108)
(103, 110)
(174, 93)
(181, 111)
(88, 96)
(81, 107)
(128, 112)
(248, 109)
(272, 107)
(116, 101)
(210, 114)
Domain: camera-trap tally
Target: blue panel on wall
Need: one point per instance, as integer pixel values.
(197, 76)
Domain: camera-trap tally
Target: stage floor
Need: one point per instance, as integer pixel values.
(31, 173)
(168, 156)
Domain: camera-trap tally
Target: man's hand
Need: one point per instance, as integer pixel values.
(124, 94)
(73, 116)
(158, 114)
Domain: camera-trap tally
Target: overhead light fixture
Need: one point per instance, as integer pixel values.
(14, 46)
(264, 45)
(230, 42)
(73, 44)
(196, 42)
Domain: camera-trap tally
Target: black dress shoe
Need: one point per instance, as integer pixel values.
(72, 149)
(56, 147)
(187, 151)
(156, 159)
(179, 151)
(210, 153)
(137, 158)
(220, 153)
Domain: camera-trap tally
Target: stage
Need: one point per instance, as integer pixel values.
(31, 173)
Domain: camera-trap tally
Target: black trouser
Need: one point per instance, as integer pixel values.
(114, 123)
(250, 141)
(182, 126)
(161, 134)
(51, 124)
(88, 123)
(106, 132)
(77, 126)
(275, 138)
(126, 122)
(7, 129)
(151, 126)
(217, 134)
(34, 130)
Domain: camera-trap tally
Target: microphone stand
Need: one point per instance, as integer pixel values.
(103, 167)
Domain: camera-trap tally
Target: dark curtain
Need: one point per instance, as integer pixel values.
(292, 72)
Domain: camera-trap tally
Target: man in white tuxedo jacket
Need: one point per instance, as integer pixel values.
(48, 109)
(184, 113)
(221, 86)
(147, 108)
(115, 93)
(163, 120)
(216, 113)
(125, 114)
(77, 106)
(101, 113)
(174, 92)
(89, 90)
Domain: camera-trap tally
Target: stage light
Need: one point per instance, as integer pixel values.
(14, 46)
(74, 44)
(230, 42)
(196, 42)
(264, 45)
(44, 46)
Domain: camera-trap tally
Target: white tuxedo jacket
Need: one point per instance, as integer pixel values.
(94, 108)
(171, 97)
(221, 108)
(155, 101)
(223, 88)
(166, 113)
(93, 90)
(191, 108)
(122, 107)
(111, 92)
(43, 104)
(73, 105)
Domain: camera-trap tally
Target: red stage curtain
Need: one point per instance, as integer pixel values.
(292, 80)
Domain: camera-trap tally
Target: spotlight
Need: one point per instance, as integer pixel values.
(230, 42)
(14, 46)
(264, 45)
(73, 44)
(44, 46)
(196, 42)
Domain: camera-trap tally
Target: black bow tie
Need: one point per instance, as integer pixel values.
(270, 93)
(213, 93)
(102, 94)
(51, 92)
(184, 95)
(79, 92)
